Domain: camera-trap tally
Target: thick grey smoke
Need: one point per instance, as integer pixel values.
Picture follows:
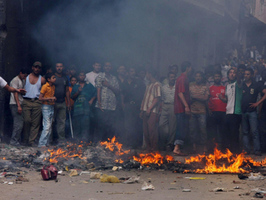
(134, 33)
(82, 32)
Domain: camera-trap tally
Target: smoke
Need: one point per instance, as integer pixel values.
(81, 32)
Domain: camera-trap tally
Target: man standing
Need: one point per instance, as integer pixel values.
(107, 90)
(61, 93)
(181, 107)
(217, 109)
(167, 123)
(233, 96)
(149, 111)
(83, 95)
(91, 76)
(16, 107)
(32, 106)
(199, 94)
(249, 103)
(132, 94)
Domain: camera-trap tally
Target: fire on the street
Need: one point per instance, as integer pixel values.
(218, 162)
(71, 151)
(152, 158)
(114, 145)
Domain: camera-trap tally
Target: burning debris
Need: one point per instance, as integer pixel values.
(110, 153)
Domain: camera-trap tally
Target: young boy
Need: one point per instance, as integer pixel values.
(83, 94)
(48, 100)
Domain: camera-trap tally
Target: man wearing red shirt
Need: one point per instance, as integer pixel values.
(217, 109)
(181, 106)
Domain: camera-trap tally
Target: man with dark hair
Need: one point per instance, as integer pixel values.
(181, 106)
(167, 122)
(15, 104)
(249, 103)
(132, 93)
(107, 89)
(61, 93)
(173, 69)
(91, 76)
(32, 106)
(217, 109)
(199, 94)
(83, 95)
(233, 97)
(149, 111)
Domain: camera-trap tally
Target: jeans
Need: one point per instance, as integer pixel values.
(181, 128)
(17, 125)
(197, 128)
(250, 122)
(48, 114)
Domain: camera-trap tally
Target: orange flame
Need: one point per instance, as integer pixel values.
(70, 152)
(152, 158)
(215, 163)
(113, 144)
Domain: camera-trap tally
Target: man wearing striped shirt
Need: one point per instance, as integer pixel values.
(149, 111)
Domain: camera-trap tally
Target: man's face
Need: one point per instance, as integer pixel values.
(107, 67)
(36, 70)
(97, 67)
(73, 81)
(121, 70)
(198, 78)
(132, 73)
(232, 75)
(22, 76)
(174, 69)
(217, 79)
(189, 70)
(247, 75)
(72, 72)
(172, 78)
(81, 77)
(59, 68)
(53, 79)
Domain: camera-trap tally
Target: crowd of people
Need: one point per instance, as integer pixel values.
(220, 105)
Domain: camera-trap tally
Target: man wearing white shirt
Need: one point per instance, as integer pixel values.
(16, 106)
(91, 76)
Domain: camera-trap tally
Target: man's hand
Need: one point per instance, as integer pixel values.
(187, 110)
(90, 102)
(52, 99)
(141, 115)
(100, 106)
(19, 110)
(148, 112)
(21, 91)
(253, 105)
